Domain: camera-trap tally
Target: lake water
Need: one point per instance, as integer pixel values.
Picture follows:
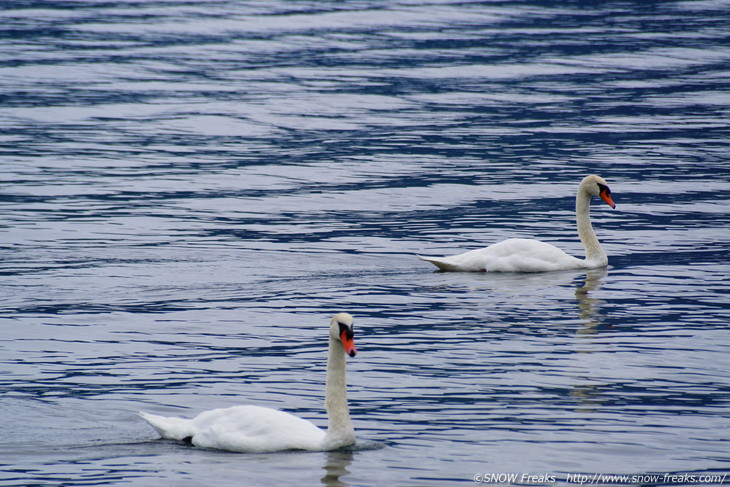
(191, 189)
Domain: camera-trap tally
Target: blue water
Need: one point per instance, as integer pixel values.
(191, 189)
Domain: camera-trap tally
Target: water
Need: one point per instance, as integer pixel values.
(190, 190)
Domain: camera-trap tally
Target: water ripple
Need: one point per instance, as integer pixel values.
(190, 190)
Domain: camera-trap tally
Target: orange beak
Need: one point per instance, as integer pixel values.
(606, 196)
(348, 343)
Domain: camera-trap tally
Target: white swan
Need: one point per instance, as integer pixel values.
(260, 429)
(529, 255)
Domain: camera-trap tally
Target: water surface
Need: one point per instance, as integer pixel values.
(191, 190)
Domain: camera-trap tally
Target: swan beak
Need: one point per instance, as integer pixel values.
(606, 196)
(348, 343)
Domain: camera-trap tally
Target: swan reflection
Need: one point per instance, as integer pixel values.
(589, 307)
(589, 393)
(336, 468)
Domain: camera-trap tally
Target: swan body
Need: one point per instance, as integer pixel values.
(258, 429)
(529, 255)
(241, 429)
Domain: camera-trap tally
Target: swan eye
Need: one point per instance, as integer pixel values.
(603, 188)
(346, 329)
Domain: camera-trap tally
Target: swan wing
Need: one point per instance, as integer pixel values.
(512, 255)
(242, 429)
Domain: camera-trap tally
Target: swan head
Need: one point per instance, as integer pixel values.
(341, 330)
(597, 186)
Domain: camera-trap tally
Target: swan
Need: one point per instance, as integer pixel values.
(530, 255)
(258, 429)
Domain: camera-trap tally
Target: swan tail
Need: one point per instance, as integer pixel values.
(441, 263)
(170, 428)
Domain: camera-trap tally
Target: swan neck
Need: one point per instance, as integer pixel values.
(595, 255)
(340, 431)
